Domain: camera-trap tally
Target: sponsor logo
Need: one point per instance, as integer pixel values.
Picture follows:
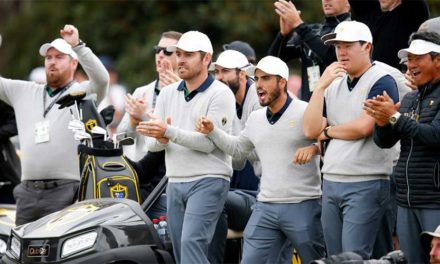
(119, 191)
(38, 251)
(90, 124)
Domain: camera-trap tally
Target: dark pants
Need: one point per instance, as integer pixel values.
(36, 199)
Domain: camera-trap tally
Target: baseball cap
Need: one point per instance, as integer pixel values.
(242, 47)
(231, 59)
(349, 31)
(419, 47)
(427, 236)
(61, 45)
(270, 65)
(430, 25)
(192, 41)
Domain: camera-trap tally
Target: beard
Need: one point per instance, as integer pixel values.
(271, 97)
(234, 85)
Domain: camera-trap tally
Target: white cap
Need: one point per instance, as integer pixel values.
(192, 41)
(419, 47)
(349, 31)
(231, 59)
(61, 45)
(270, 65)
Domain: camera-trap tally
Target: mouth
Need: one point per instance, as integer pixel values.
(415, 73)
(261, 94)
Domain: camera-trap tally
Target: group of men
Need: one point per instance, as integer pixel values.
(201, 127)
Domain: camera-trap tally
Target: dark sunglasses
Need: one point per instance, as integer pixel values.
(157, 50)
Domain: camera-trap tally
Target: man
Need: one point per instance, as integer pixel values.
(50, 174)
(150, 165)
(230, 68)
(288, 205)
(144, 98)
(433, 240)
(356, 172)
(415, 124)
(389, 24)
(198, 172)
(298, 39)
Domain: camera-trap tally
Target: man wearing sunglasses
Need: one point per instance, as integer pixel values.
(144, 97)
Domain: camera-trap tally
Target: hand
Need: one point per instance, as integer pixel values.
(381, 108)
(70, 34)
(333, 71)
(304, 155)
(154, 128)
(166, 74)
(290, 17)
(135, 107)
(410, 81)
(204, 125)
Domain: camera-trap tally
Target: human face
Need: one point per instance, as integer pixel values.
(230, 77)
(335, 7)
(269, 88)
(388, 5)
(190, 65)
(422, 68)
(59, 67)
(160, 57)
(434, 254)
(354, 56)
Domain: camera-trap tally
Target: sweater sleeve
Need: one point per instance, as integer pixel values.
(98, 76)
(324, 53)
(384, 137)
(220, 111)
(279, 49)
(239, 147)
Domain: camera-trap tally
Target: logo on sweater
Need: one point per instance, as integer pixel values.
(224, 121)
(291, 123)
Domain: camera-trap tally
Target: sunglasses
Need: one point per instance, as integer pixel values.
(157, 50)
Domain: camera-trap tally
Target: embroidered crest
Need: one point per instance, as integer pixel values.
(90, 124)
(224, 121)
(119, 191)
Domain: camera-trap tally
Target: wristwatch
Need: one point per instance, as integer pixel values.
(393, 119)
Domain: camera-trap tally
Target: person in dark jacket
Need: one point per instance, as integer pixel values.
(298, 39)
(391, 22)
(10, 170)
(416, 123)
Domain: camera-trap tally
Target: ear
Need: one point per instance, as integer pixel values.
(207, 58)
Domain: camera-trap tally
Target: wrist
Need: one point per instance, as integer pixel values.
(80, 43)
(326, 132)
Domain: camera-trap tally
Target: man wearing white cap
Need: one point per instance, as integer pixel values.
(50, 174)
(356, 171)
(432, 242)
(198, 172)
(230, 68)
(415, 122)
(288, 204)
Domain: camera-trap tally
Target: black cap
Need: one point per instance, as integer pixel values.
(242, 47)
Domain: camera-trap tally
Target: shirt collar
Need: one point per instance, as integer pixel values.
(273, 118)
(182, 87)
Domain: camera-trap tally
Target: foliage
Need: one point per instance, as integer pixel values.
(127, 30)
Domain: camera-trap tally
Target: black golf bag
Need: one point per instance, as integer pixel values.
(105, 172)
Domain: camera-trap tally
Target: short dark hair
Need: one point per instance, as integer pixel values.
(425, 35)
(171, 35)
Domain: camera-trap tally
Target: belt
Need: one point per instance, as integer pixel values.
(42, 185)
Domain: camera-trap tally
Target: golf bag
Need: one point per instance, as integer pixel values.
(105, 172)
